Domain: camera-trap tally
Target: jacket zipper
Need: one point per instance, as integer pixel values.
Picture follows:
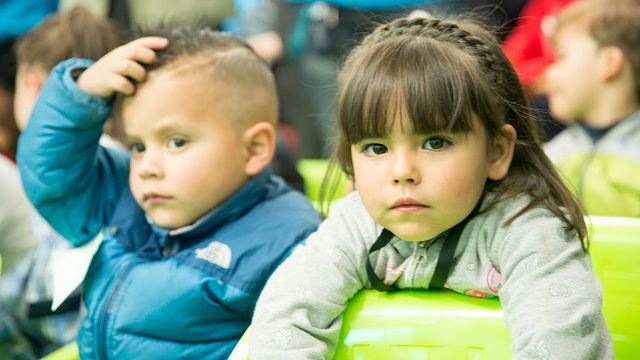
(103, 317)
(419, 257)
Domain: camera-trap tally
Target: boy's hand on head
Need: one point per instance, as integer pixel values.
(120, 69)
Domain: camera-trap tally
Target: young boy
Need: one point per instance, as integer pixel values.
(192, 221)
(594, 85)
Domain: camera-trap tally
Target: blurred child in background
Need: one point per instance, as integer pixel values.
(594, 86)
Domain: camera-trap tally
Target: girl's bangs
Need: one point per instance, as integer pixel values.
(430, 84)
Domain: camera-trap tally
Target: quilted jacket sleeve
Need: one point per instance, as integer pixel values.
(72, 181)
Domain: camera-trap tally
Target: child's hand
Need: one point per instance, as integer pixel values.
(120, 69)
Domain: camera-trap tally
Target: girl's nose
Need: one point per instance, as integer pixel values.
(404, 169)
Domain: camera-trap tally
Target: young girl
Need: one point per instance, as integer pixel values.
(435, 131)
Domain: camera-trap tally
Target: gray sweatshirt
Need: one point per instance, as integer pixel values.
(551, 296)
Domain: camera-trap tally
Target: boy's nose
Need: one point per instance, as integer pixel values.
(149, 166)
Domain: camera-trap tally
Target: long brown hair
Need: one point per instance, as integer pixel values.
(449, 73)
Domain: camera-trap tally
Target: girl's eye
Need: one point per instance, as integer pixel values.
(436, 143)
(175, 143)
(136, 148)
(375, 149)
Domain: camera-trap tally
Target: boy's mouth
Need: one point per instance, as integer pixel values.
(152, 198)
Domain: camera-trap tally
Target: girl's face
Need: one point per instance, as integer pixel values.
(420, 185)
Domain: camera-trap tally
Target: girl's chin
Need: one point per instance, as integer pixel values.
(414, 236)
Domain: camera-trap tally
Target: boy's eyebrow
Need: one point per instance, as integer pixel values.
(156, 129)
(164, 129)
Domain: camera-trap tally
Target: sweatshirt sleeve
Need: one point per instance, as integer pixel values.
(71, 180)
(551, 296)
(299, 312)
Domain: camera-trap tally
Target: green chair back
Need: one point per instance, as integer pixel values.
(615, 252)
(67, 352)
(413, 324)
(313, 172)
(445, 325)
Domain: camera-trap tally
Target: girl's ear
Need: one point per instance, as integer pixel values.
(260, 144)
(502, 153)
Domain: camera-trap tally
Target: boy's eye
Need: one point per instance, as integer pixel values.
(435, 143)
(136, 148)
(176, 143)
(375, 149)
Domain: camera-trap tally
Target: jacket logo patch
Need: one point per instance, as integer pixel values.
(216, 253)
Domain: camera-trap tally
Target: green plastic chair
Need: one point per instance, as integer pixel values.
(435, 325)
(615, 252)
(313, 172)
(444, 325)
(67, 352)
(414, 324)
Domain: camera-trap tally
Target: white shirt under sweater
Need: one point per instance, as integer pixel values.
(551, 297)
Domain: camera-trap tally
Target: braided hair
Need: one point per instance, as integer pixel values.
(448, 76)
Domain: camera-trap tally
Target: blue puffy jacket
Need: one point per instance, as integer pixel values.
(152, 293)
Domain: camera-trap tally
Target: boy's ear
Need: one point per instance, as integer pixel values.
(612, 62)
(33, 83)
(260, 144)
(502, 153)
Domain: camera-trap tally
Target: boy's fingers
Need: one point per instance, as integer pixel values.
(132, 70)
(144, 48)
(141, 50)
(120, 70)
(151, 42)
(143, 55)
(123, 85)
